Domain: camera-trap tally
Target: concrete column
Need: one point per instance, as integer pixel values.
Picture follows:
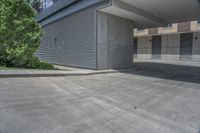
(114, 42)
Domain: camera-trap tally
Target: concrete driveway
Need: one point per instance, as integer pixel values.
(142, 101)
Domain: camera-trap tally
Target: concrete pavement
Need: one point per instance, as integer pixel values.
(142, 101)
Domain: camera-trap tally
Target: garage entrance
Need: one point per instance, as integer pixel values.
(135, 48)
(156, 47)
(186, 42)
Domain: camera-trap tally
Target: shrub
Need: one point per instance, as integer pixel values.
(35, 63)
(20, 35)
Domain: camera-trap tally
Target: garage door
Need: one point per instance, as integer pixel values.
(156, 47)
(135, 47)
(186, 46)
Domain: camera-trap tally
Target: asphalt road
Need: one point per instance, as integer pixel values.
(142, 101)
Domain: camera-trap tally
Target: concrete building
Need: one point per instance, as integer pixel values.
(176, 42)
(98, 34)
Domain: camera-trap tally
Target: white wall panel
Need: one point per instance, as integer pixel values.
(170, 47)
(144, 48)
(196, 47)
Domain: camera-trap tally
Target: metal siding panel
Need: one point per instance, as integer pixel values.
(76, 36)
(46, 50)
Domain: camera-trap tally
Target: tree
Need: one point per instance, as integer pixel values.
(20, 34)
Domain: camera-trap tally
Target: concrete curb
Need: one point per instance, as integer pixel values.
(29, 74)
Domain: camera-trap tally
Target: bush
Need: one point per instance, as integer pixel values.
(44, 65)
(20, 35)
(35, 63)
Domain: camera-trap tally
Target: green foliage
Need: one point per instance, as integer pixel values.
(35, 63)
(20, 34)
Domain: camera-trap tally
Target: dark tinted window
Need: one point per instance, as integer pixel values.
(168, 25)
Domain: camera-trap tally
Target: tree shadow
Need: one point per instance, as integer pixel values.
(183, 73)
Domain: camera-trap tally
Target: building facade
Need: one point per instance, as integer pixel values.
(82, 36)
(177, 42)
(98, 34)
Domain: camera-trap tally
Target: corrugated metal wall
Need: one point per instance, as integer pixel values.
(76, 40)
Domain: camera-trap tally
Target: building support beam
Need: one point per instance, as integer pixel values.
(114, 42)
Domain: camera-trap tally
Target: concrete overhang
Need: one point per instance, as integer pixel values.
(155, 13)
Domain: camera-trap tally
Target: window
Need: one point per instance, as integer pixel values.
(49, 3)
(168, 26)
(198, 21)
(141, 29)
(44, 4)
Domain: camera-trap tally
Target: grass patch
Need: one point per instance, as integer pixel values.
(10, 68)
(20, 68)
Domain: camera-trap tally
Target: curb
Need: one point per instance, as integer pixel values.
(59, 74)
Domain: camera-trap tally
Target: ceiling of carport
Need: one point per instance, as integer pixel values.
(154, 13)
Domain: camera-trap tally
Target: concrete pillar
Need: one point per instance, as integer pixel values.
(114, 42)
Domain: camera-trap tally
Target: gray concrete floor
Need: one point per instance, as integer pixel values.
(183, 63)
(148, 100)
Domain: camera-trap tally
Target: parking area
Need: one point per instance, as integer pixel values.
(153, 98)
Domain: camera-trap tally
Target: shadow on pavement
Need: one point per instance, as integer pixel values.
(167, 71)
